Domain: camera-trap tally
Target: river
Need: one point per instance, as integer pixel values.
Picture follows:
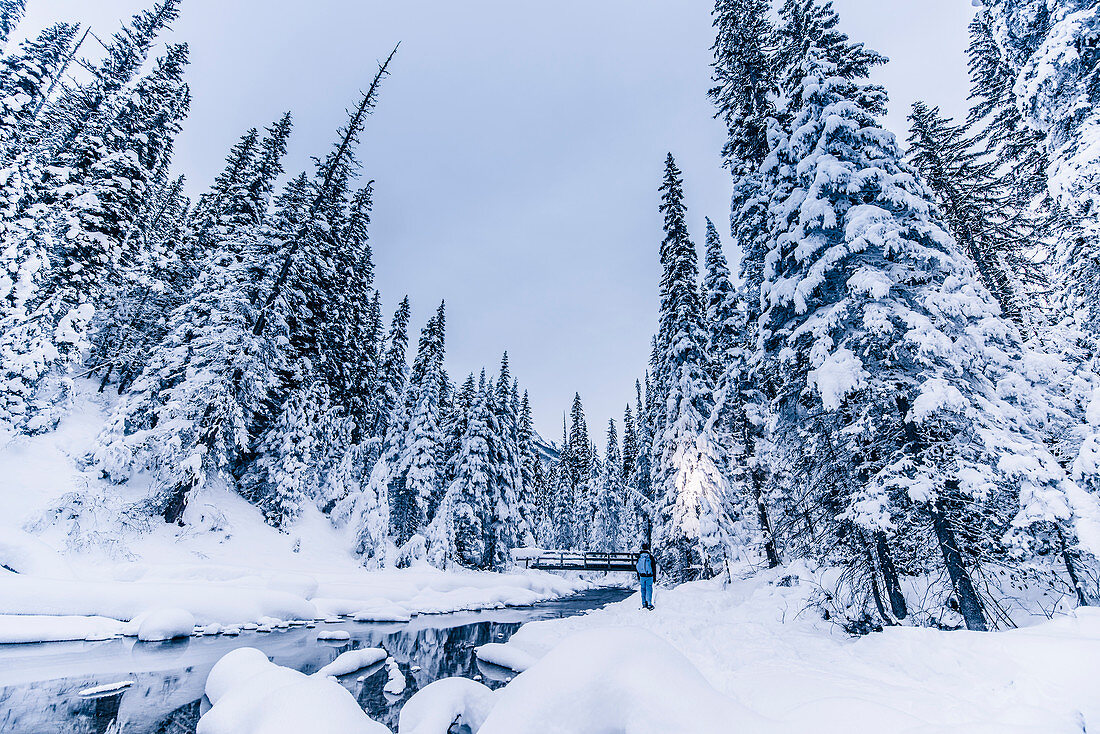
(41, 684)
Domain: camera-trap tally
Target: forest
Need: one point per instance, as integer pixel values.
(896, 376)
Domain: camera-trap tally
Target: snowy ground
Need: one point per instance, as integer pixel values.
(756, 643)
(749, 657)
(76, 565)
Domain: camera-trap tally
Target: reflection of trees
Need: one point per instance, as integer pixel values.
(168, 701)
(439, 653)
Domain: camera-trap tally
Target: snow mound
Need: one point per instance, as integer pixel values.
(252, 695)
(351, 661)
(395, 686)
(627, 681)
(18, 628)
(23, 553)
(333, 636)
(433, 708)
(505, 656)
(381, 610)
(164, 624)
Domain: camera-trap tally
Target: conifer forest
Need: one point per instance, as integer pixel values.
(870, 414)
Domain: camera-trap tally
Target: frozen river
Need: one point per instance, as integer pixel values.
(41, 684)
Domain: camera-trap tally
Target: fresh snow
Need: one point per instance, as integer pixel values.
(19, 628)
(353, 660)
(252, 695)
(505, 656)
(761, 646)
(433, 708)
(395, 685)
(74, 566)
(164, 624)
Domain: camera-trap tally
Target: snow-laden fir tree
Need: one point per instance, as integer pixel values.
(579, 472)
(612, 529)
(691, 524)
(1049, 50)
(11, 12)
(26, 77)
(976, 206)
(899, 390)
(459, 533)
(415, 473)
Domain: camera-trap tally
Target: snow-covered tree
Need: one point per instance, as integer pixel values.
(691, 525)
(897, 385)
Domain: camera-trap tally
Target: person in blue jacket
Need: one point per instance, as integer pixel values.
(646, 566)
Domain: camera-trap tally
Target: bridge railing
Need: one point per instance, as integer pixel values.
(578, 560)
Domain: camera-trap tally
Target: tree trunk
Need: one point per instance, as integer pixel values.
(765, 522)
(969, 605)
(890, 577)
(873, 567)
(1071, 569)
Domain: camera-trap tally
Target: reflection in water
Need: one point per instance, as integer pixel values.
(39, 684)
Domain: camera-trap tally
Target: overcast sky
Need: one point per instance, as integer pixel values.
(516, 150)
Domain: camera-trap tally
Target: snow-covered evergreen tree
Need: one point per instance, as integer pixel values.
(611, 526)
(977, 207)
(1046, 55)
(11, 12)
(897, 386)
(416, 473)
(458, 534)
(691, 525)
(25, 80)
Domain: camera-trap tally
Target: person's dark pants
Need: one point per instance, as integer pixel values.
(647, 590)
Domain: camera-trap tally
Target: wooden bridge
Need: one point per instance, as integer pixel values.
(580, 561)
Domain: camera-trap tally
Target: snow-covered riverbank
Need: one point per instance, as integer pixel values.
(77, 563)
(752, 656)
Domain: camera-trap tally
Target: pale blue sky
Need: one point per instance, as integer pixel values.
(517, 150)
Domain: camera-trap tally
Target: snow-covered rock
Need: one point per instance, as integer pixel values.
(396, 683)
(433, 708)
(381, 610)
(252, 695)
(353, 660)
(505, 656)
(333, 636)
(165, 624)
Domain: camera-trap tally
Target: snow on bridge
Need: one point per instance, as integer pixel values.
(559, 560)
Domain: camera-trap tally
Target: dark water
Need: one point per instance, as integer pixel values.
(40, 684)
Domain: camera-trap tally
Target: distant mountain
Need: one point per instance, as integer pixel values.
(548, 450)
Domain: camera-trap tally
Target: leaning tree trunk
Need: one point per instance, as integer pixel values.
(969, 604)
(1071, 569)
(890, 577)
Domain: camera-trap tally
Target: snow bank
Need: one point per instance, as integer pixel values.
(252, 695)
(615, 680)
(381, 610)
(433, 708)
(760, 644)
(38, 628)
(225, 566)
(505, 656)
(164, 624)
(352, 660)
(207, 602)
(23, 553)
